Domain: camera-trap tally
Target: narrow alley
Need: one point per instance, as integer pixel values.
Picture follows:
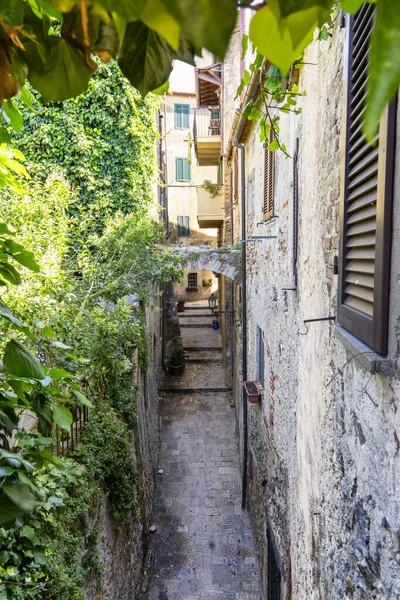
(203, 545)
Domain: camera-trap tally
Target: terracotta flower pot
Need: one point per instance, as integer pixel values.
(180, 307)
(176, 369)
(252, 392)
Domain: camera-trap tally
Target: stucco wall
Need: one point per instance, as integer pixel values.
(325, 446)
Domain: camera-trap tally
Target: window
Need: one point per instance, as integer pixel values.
(366, 201)
(182, 116)
(183, 226)
(183, 170)
(250, 191)
(260, 355)
(274, 571)
(192, 279)
(269, 180)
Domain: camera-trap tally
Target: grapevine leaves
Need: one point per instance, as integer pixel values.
(146, 57)
(282, 30)
(384, 69)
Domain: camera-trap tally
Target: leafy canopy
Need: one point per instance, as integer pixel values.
(52, 42)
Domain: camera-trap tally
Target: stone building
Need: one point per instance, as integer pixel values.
(314, 323)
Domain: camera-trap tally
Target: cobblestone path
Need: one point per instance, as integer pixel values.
(203, 546)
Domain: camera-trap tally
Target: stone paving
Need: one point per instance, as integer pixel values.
(203, 545)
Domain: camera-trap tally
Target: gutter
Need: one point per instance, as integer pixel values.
(244, 324)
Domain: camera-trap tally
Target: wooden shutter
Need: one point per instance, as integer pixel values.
(182, 116)
(366, 203)
(269, 180)
(183, 226)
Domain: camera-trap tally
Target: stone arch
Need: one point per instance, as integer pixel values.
(206, 258)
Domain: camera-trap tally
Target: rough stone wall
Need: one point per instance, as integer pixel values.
(122, 549)
(324, 443)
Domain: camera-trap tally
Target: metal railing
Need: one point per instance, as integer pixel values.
(207, 121)
(64, 440)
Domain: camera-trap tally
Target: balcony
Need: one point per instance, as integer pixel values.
(210, 212)
(207, 136)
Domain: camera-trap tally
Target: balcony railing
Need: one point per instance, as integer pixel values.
(207, 134)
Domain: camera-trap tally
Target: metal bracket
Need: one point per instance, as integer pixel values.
(314, 321)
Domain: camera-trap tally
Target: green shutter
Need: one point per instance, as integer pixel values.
(182, 116)
(183, 170)
(184, 226)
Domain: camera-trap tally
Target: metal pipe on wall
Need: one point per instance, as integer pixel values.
(244, 317)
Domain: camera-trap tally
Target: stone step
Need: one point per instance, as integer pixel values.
(215, 390)
(196, 325)
(203, 348)
(185, 315)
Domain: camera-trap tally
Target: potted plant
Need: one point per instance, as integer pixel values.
(207, 283)
(180, 304)
(192, 289)
(177, 361)
(253, 392)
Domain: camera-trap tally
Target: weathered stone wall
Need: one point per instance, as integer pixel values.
(122, 549)
(324, 443)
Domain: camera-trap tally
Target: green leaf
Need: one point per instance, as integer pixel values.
(10, 273)
(274, 145)
(20, 361)
(384, 68)
(6, 471)
(206, 23)
(22, 256)
(42, 7)
(163, 89)
(61, 345)
(125, 9)
(5, 229)
(65, 74)
(62, 416)
(282, 39)
(82, 398)
(245, 45)
(4, 136)
(16, 499)
(351, 6)
(146, 57)
(15, 117)
(27, 532)
(11, 12)
(7, 314)
(48, 332)
(156, 16)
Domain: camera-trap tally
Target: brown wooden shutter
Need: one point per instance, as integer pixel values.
(269, 180)
(366, 207)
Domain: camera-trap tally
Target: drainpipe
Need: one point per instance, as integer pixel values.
(244, 325)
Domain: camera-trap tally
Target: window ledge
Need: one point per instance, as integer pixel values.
(363, 355)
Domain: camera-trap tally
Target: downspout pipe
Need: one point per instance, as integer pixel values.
(244, 317)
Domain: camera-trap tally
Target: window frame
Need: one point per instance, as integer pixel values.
(196, 280)
(183, 231)
(186, 166)
(179, 114)
(372, 330)
(268, 209)
(260, 340)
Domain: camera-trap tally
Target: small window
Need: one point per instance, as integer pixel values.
(250, 191)
(183, 169)
(260, 355)
(192, 280)
(274, 571)
(182, 116)
(184, 226)
(269, 180)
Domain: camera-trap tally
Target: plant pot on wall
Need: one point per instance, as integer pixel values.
(192, 290)
(253, 392)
